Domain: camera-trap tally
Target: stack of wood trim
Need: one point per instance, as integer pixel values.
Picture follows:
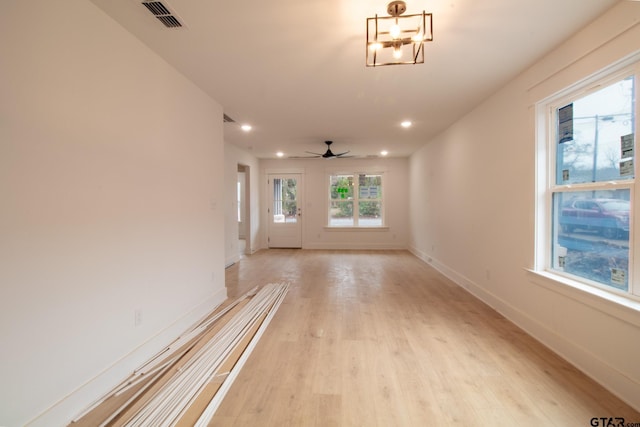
(184, 384)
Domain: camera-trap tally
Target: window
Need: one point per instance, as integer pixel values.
(586, 219)
(355, 200)
(239, 194)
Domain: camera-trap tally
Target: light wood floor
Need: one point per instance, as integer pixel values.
(378, 338)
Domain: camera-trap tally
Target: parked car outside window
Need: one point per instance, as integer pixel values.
(610, 217)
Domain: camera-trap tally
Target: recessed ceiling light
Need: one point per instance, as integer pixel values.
(384, 152)
(405, 124)
(246, 128)
(280, 154)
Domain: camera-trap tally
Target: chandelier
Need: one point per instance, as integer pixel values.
(398, 39)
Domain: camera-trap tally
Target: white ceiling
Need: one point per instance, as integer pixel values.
(295, 70)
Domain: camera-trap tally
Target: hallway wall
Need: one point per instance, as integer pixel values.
(111, 214)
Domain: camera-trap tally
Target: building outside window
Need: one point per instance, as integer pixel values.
(356, 200)
(586, 221)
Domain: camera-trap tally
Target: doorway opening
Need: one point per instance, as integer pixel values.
(243, 188)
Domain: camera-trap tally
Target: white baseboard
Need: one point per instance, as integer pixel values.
(625, 388)
(231, 260)
(71, 406)
(352, 246)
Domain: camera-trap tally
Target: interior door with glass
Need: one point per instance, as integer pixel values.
(285, 213)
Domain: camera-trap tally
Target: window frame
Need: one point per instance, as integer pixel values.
(546, 183)
(356, 199)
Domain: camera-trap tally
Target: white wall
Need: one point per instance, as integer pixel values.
(111, 171)
(233, 156)
(472, 211)
(315, 204)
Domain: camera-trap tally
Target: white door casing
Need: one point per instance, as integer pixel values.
(284, 210)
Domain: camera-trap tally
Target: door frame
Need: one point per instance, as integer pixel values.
(268, 197)
(246, 208)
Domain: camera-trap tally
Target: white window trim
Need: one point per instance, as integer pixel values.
(545, 167)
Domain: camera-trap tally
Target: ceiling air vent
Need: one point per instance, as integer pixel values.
(162, 13)
(227, 119)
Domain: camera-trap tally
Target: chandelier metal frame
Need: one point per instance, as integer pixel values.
(391, 38)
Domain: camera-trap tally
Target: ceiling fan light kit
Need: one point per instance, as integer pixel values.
(398, 39)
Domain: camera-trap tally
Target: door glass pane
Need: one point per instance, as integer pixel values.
(591, 231)
(285, 205)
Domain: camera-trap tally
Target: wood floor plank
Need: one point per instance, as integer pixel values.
(379, 338)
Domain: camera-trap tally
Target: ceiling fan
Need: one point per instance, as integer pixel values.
(326, 155)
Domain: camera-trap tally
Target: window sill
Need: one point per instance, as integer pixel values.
(621, 307)
(382, 228)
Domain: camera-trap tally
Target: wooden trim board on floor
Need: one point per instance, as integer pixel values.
(157, 394)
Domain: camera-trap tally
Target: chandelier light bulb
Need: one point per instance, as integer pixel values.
(394, 31)
(397, 52)
(375, 46)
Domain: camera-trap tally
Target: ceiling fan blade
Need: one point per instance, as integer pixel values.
(327, 154)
